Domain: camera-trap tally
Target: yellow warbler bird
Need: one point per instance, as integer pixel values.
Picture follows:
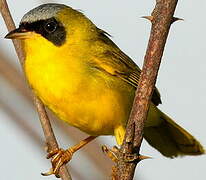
(87, 81)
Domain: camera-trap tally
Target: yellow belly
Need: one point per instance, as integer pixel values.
(85, 98)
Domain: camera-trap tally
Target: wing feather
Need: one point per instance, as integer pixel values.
(119, 64)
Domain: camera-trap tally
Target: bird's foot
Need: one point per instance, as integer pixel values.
(114, 153)
(59, 157)
(111, 153)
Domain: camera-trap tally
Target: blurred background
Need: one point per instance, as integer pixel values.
(181, 82)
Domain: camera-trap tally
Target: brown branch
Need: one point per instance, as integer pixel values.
(48, 132)
(162, 18)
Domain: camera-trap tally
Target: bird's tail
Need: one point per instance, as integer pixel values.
(171, 140)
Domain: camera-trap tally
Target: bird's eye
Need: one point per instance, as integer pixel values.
(50, 27)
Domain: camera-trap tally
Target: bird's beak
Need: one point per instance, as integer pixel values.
(19, 33)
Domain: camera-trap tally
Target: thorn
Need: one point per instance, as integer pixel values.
(141, 157)
(150, 18)
(174, 19)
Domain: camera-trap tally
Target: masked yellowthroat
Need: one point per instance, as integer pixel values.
(87, 81)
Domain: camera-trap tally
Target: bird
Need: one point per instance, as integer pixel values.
(84, 78)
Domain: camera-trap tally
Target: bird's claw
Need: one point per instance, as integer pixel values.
(111, 153)
(59, 157)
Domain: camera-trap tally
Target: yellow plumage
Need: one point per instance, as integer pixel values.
(87, 81)
(81, 96)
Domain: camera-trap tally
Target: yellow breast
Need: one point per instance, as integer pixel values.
(79, 94)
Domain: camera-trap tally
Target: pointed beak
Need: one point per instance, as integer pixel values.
(19, 33)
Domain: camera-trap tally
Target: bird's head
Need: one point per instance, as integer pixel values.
(53, 25)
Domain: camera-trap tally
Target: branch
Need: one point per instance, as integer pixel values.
(48, 132)
(161, 19)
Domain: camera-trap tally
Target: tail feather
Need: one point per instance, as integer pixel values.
(171, 140)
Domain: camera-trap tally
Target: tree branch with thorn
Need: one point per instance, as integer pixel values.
(128, 155)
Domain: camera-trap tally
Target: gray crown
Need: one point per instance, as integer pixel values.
(42, 12)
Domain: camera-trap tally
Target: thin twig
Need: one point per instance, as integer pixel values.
(161, 18)
(48, 132)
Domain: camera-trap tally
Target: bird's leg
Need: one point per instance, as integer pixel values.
(61, 156)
